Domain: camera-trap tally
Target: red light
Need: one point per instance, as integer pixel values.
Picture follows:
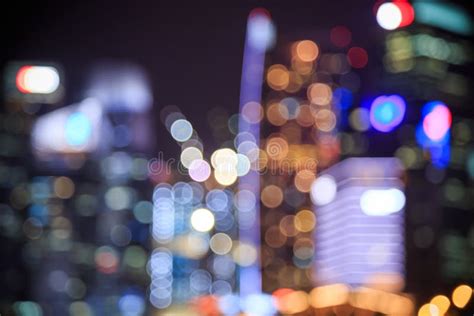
(206, 305)
(408, 14)
(357, 57)
(20, 79)
(260, 11)
(341, 36)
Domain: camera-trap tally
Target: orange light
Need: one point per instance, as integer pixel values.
(329, 295)
(271, 196)
(277, 114)
(278, 77)
(277, 148)
(303, 180)
(319, 93)
(461, 295)
(307, 51)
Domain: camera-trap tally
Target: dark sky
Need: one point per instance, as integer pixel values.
(191, 50)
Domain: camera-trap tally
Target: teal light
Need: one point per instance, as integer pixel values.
(78, 129)
(443, 15)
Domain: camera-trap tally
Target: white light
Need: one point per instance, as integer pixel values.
(389, 16)
(382, 202)
(190, 154)
(120, 87)
(243, 165)
(202, 220)
(181, 130)
(261, 32)
(199, 170)
(37, 79)
(74, 128)
(323, 190)
(259, 304)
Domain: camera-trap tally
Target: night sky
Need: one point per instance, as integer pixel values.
(192, 53)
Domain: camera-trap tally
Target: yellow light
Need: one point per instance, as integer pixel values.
(189, 154)
(225, 174)
(461, 295)
(305, 221)
(224, 156)
(428, 310)
(202, 220)
(244, 254)
(442, 302)
(194, 246)
(329, 295)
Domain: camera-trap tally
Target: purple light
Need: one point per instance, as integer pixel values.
(260, 36)
(387, 112)
(199, 170)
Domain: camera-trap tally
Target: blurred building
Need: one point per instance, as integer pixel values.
(360, 214)
(84, 227)
(430, 61)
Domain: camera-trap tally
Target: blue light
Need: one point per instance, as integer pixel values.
(78, 129)
(387, 112)
(342, 97)
(132, 305)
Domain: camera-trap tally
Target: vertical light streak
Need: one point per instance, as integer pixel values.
(259, 37)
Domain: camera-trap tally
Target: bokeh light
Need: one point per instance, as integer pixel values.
(278, 77)
(436, 121)
(307, 50)
(389, 16)
(181, 130)
(37, 79)
(461, 295)
(202, 220)
(357, 57)
(387, 112)
(323, 190)
(320, 94)
(341, 36)
(199, 170)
